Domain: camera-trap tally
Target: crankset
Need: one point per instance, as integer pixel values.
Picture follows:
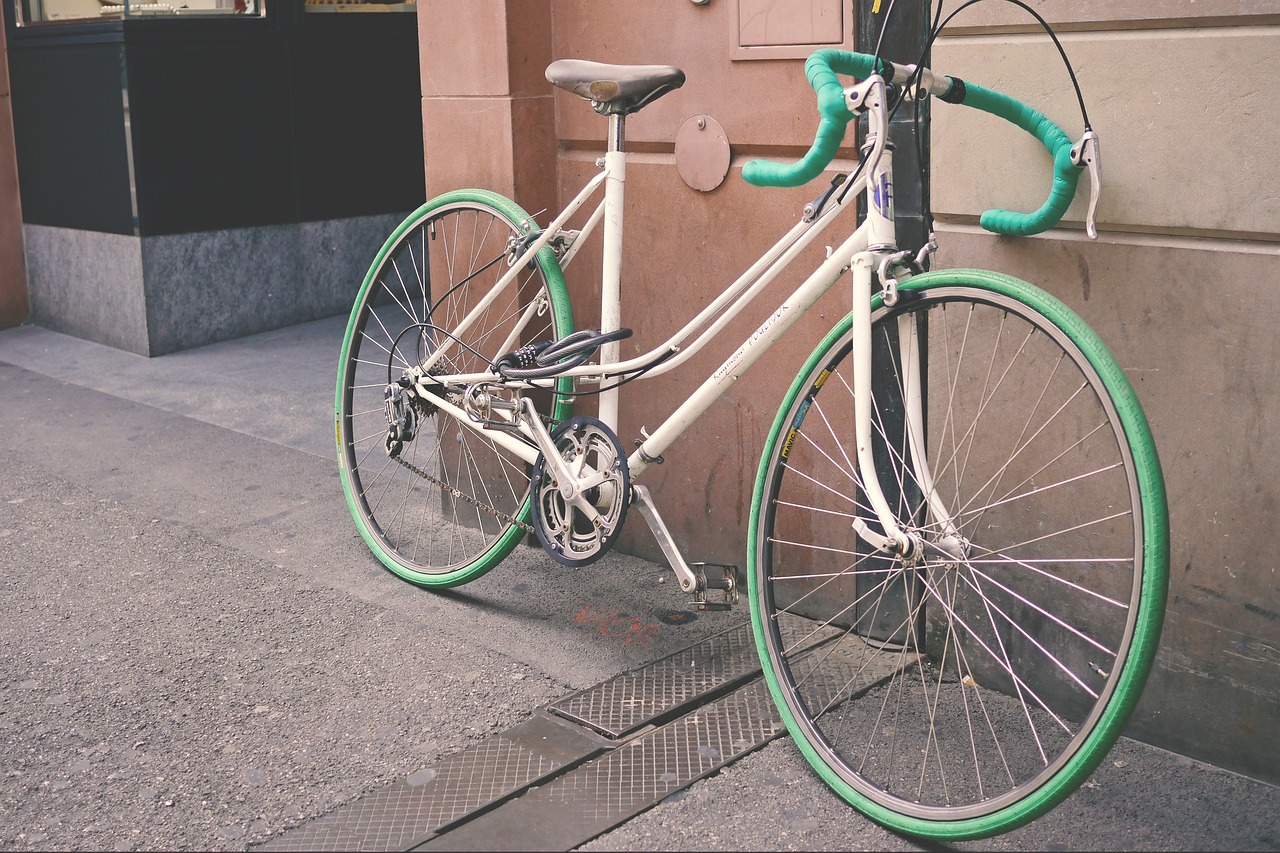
(578, 522)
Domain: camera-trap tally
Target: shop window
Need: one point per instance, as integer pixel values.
(358, 6)
(51, 11)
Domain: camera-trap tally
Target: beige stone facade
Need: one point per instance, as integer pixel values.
(1181, 283)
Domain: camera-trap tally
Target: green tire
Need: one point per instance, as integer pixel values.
(1095, 563)
(452, 504)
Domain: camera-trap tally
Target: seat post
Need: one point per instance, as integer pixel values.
(617, 131)
(611, 274)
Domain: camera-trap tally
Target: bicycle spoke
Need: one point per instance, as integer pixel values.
(953, 682)
(441, 504)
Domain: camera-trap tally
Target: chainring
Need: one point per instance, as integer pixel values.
(572, 534)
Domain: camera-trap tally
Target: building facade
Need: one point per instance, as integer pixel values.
(197, 171)
(1180, 282)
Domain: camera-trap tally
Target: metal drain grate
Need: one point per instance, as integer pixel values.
(395, 817)
(575, 807)
(553, 783)
(629, 701)
(578, 806)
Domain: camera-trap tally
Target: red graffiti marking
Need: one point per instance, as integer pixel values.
(616, 624)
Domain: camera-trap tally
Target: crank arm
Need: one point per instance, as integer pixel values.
(570, 489)
(684, 574)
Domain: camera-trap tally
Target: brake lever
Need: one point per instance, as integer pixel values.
(1084, 154)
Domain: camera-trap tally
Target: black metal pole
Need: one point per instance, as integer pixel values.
(885, 618)
(903, 40)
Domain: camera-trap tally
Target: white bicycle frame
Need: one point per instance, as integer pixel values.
(863, 252)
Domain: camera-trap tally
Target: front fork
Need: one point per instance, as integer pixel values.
(894, 540)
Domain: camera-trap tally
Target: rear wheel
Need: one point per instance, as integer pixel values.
(440, 503)
(967, 690)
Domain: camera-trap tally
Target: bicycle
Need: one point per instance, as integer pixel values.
(958, 547)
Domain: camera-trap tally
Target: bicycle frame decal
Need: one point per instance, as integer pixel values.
(759, 333)
(882, 196)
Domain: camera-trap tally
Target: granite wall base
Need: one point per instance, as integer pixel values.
(160, 294)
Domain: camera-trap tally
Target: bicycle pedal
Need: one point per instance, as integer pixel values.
(727, 582)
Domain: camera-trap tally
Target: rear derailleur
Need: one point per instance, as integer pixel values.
(405, 412)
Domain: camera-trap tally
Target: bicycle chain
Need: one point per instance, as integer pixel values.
(496, 513)
(551, 423)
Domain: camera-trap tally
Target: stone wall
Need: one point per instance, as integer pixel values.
(1183, 283)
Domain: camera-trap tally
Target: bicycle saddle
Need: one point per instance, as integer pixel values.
(620, 89)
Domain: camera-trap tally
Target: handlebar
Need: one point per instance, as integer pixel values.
(1065, 173)
(821, 69)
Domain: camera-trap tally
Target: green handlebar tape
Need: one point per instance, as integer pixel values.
(821, 69)
(1065, 173)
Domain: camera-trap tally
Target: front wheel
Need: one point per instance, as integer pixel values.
(439, 502)
(967, 689)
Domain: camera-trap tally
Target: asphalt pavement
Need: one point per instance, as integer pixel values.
(198, 652)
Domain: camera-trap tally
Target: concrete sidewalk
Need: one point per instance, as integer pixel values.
(198, 652)
(278, 386)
